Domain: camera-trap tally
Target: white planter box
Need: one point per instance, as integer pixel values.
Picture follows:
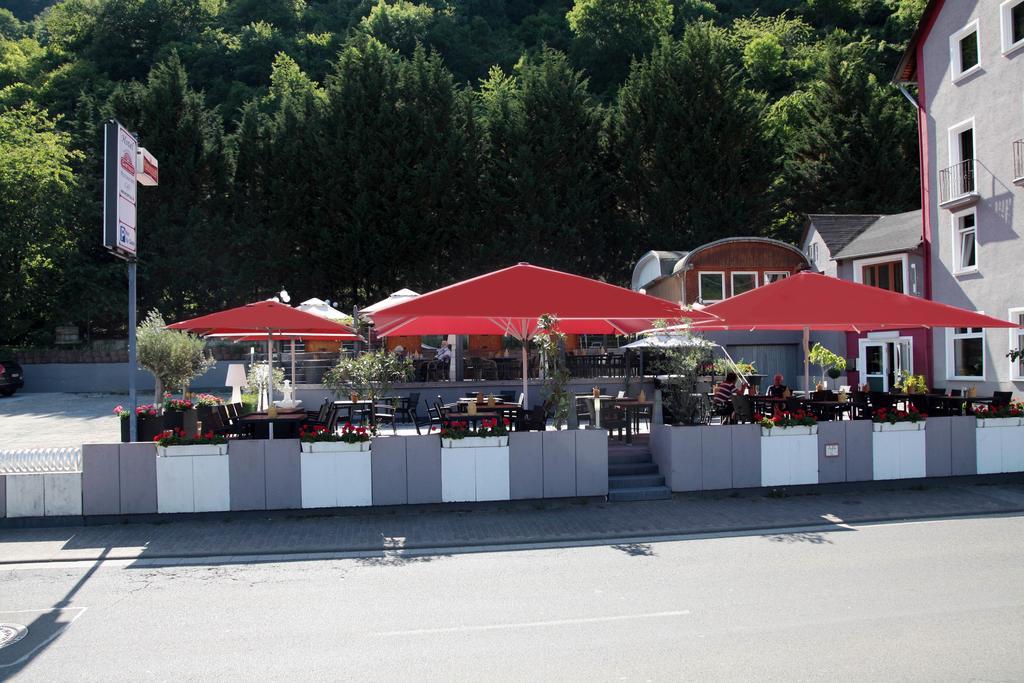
(899, 426)
(990, 422)
(340, 478)
(1000, 450)
(791, 461)
(335, 447)
(475, 442)
(201, 449)
(898, 454)
(800, 430)
(470, 474)
(193, 479)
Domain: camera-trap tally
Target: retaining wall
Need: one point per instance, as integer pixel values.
(127, 479)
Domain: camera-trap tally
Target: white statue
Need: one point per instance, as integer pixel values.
(289, 396)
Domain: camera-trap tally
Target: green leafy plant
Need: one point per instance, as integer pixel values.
(557, 399)
(460, 429)
(178, 437)
(174, 357)
(894, 416)
(257, 380)
(681, 366)
(722, 366)
(831, 364)
(911, 384)
(785, 418)
(370, 375)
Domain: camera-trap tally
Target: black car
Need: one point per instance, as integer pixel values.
(11, 377)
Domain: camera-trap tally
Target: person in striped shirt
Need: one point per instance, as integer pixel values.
(722, 398)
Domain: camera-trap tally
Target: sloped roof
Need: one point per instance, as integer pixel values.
(666, 262)
(889, 234)
(906, 71)
(838, 230)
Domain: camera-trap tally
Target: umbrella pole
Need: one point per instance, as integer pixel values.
(807, 366)
(526, 374)
(270, 369)
(293, 362)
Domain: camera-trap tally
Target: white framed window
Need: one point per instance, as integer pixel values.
(742, 282)
(965, 354)
(711, 286)
(965, 242)
(965, 51)
(771, 276)
(885, 272)
(812, 252)
(1011, 19)
(1016, 315)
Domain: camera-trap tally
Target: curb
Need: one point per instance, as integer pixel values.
(498, 546)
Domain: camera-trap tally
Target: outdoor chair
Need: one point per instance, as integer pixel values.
(612, 419)
(507, 396)
(583, 412)
(859, 408)
(880, 399)
(535, 420)
(743, 410)
(794, 404)
(434, 418)
(1001, 399)
(522, 399)
(384, 414)
(320, 415)
(407, 409)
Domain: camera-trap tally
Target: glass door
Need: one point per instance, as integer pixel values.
(875, 361)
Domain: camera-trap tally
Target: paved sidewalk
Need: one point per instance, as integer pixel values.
(497, 524)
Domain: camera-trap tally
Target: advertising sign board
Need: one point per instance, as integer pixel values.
(119, 190)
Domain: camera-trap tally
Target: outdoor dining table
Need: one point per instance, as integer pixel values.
(262, 424)
(352, 406)
(631, 407)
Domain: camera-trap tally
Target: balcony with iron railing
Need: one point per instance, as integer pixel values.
(1018, 162)
(957, 185)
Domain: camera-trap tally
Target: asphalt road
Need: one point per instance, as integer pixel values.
(936, 600)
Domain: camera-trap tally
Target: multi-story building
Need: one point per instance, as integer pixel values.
(966, 60)
(881, 251)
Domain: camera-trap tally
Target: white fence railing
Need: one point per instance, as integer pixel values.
(40, 460)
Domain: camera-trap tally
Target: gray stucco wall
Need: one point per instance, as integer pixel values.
(993, 97)
(107, 377)
(824, 262)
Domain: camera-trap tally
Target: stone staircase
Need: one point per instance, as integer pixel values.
(633, 474)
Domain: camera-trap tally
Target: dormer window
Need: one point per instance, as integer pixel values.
(965, 51)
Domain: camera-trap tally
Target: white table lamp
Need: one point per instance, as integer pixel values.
(236, 380)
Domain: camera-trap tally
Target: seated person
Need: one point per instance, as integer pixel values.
(724, 392)
(444, 353)
(777, 389)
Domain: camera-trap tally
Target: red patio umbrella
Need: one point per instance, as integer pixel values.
(812, 301)
(269, 318)
(510, 301)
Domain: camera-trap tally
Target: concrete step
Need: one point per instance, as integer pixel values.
(644, 493)
(632, 481)
(633, 468)
(631, 457)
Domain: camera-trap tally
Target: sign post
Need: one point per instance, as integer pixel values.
(125, 165)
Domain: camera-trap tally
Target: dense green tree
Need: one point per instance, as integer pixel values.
(843, 135)
(693, 163)
(36, 184)
(609, 34)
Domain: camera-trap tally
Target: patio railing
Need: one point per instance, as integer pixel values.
(40, 460)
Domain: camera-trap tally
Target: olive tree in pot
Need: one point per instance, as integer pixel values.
(831, 364)
(174, 358)
(371, 375)
(684, 354)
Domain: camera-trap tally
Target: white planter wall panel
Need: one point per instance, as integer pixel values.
(336, 479)
(789, 460)
(1000, 449)
(458, 475)
(492, 474)
(898, 454)
(193, 483)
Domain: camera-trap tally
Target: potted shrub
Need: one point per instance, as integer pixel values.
(335, 468)
(206, 408)
(785, 423)
(318, 439)
(491, 433)
(1003, 416)
(898, 420)
(178, 442)
(179, 414)
(831, 364)
(174, 357)
(148, 420)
